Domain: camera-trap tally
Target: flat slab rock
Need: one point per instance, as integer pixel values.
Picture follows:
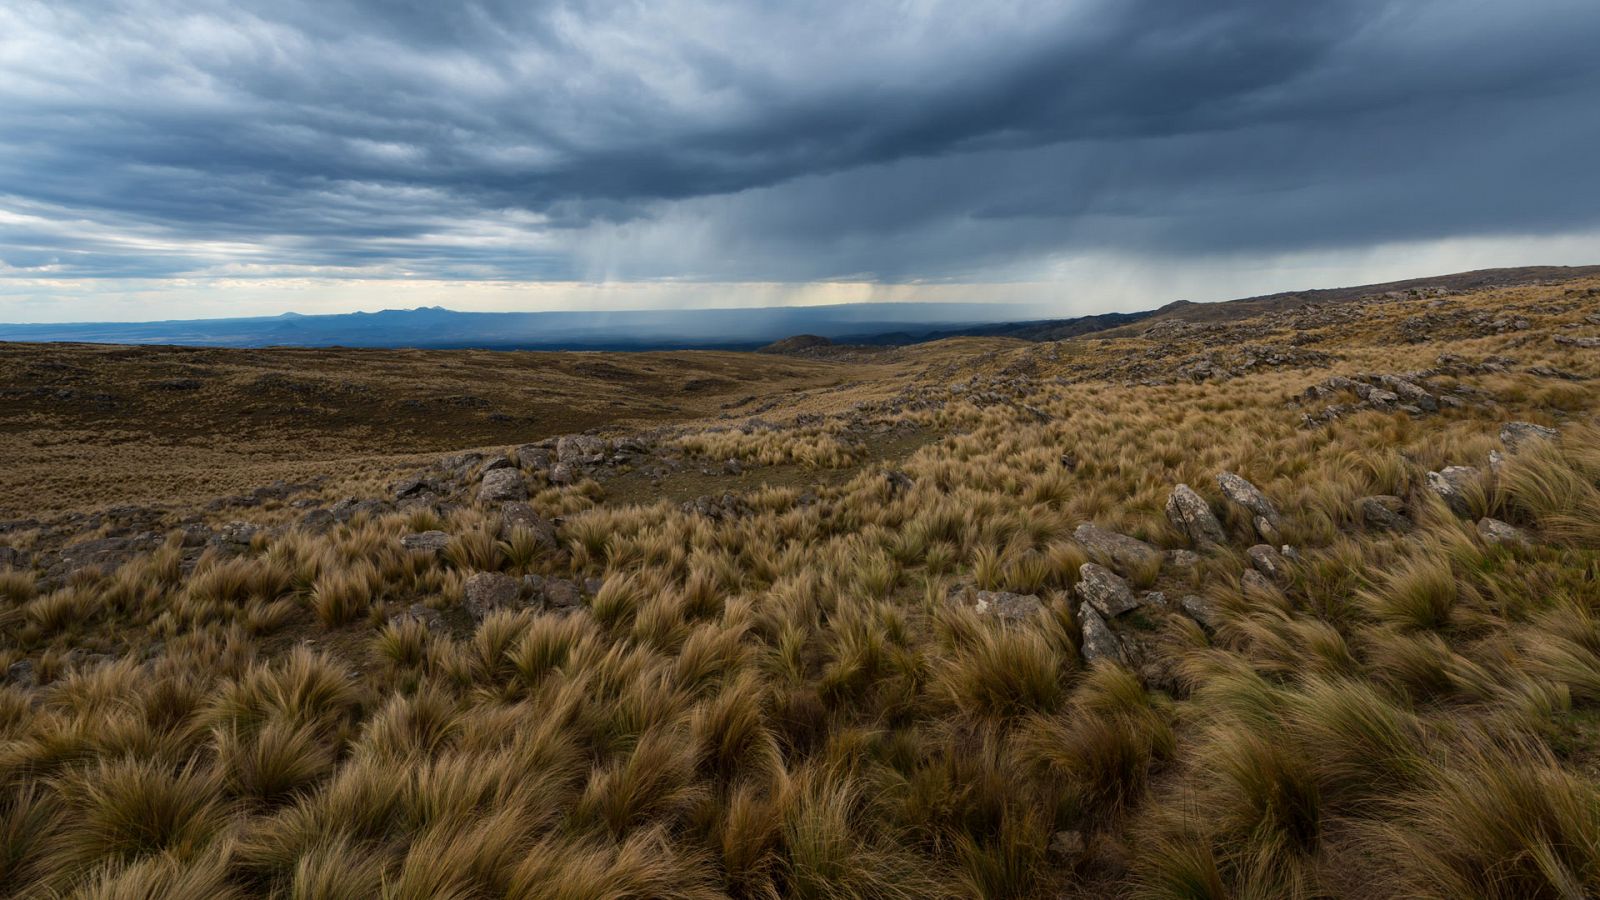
(486, 592)
(1122, 551)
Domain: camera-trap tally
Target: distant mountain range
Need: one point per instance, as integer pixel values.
(439, 328)
(733, 329)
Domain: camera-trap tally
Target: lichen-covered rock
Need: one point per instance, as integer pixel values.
(426, 541)
(1104, 590)
(1451, 484)
(519, 514)
(1264, 515)
(1099, 641)
(500, 485)
(1201, 610)
(486, 592)
(1494, 531)
(1517, 435)
(581, 449)
(1269, 562)
(1006, 606)
(1384, 512)
(1128, 554)
(563, 473)
(1190, 513)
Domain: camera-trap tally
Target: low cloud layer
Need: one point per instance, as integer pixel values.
(184, 140)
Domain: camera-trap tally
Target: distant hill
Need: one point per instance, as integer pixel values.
(439, 328)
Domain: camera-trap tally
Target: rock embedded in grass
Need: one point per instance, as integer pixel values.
(1264, 515)
(486, 592)
(426, 541)
(1099, 641)
(1128, 554)
(503, 484)
(1517, 435)
(1384, 512)
(1269, 562)
(1104, 590)
(1006, 606)
(1494, 531)
(1201, 610)
(1190, 513)
(1451, 484)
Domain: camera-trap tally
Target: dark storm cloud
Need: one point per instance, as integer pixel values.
(787, 141)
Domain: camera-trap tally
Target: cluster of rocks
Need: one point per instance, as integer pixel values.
(1409, 393)
(717, 509)
(487, 592)
(1222, 365)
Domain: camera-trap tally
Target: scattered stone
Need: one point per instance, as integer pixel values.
(519, 514)
(1201, 610)
(533, 456)
(1587, 343)
(1127, 553)
(431, 618)
(23, 674)
(1006, 607)
(1451, 484)
(899, 482)
(498, 462)
(1190, 513)
(502, 484)
(414, 486)
(554, 593)
(1265, 515)
(1182, 559)
(562, 473)
(426, 541)
(1516, 435)
(580, 449)
(1385, 512)
(1269, 562)
(486, 592)
(1099, 642)
(1104, 590)
(1253, 582)
(1067, 848)
(1494, 531)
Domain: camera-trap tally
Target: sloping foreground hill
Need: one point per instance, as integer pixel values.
(1302, 605)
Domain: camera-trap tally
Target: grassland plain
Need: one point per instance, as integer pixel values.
(971, 619)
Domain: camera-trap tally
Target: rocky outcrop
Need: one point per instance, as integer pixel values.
(1190, 513)
(1201, 610)
(581, 449)
(1269, 562)
(1007, 607)
(519, 514)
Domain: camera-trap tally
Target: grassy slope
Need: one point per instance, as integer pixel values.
(783, 702)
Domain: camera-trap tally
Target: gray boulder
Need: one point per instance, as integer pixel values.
(502, 484)
(581, 449)
(1105, 591)
(486, 592)
(1253, 582)
(532, 456)
(1099, 641)
(1264, 515)
(1451, 484)
(562, 473)
(1494, 531)
(1516, 435)
(1269, 562)
(431, 619)
(1384, 512)
(426, 541)
(1190, 513)
(1126, 553)
(519, 514)
(1201, 610)
(1006, 607)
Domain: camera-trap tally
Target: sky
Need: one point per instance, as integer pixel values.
(197, 158)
